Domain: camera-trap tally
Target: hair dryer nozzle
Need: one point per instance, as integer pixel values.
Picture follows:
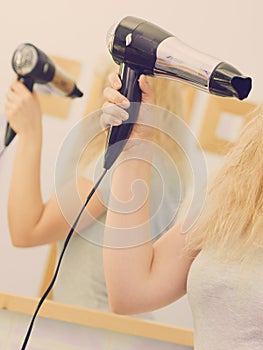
(76, 92)
(228, 81)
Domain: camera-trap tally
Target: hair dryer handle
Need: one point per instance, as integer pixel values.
(118, 135)
(10, 133)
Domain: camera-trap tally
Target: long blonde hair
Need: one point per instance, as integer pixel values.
(232, 220)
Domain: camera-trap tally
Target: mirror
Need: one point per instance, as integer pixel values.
(79, 33)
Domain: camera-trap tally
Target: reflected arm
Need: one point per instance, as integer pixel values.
(31, 221)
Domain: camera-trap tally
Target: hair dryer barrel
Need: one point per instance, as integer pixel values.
(176, 60)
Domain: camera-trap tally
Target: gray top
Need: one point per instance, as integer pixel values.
(81, 278)
(227, 303)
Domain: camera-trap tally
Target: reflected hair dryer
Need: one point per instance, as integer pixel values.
(140, 47)
(33, 66)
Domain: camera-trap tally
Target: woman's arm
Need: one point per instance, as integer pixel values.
(31, 221)
(140, 276)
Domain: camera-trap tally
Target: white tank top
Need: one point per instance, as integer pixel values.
(227, 303)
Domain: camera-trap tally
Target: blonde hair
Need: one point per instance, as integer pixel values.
(232, 220)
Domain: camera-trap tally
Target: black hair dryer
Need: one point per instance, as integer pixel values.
(33, 66)
(140, 47)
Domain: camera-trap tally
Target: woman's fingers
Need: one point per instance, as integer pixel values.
(112, 115)
(19, 88)
(115, 110)
(22, 109)
(114, 96)
(115, 81)
(147, 92)
(108, 120)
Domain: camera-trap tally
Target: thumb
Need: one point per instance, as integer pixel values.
(147, 93)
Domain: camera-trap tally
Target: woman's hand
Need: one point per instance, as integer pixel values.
(22, 110)
(114, 113)
(114, 109)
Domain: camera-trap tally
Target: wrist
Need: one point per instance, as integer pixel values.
(30, 139)
(137, 148)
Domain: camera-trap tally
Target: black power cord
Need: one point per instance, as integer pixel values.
(30, 328)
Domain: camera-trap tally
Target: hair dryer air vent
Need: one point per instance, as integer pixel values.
(24, 59)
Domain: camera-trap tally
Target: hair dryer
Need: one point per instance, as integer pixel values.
(34, 66)
(140, 47)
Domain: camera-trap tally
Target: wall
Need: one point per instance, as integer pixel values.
(230, 30)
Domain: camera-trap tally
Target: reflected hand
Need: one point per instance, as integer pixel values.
(22, 109)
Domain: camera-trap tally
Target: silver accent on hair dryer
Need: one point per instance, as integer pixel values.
(179, 61)
(176, 60)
